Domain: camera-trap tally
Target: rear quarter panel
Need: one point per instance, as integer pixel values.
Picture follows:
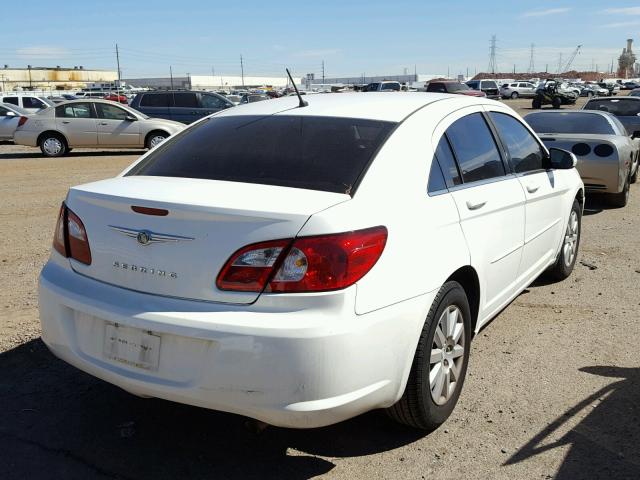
(425, 244)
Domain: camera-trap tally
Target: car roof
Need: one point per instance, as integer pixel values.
(392, 107)
(622, 98)
(579, 112)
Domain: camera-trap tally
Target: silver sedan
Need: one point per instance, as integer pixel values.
(92, 124)
(606, 153)
(10, 117)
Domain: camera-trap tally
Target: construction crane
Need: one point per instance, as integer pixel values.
(571, 59)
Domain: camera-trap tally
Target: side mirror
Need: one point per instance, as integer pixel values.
(634, 135)
(130, 118)
(10, 114)
(562, 159)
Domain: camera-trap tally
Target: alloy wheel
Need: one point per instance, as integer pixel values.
(447, 355)
(570, 245)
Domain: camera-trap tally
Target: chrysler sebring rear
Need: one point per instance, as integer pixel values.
(303, 265)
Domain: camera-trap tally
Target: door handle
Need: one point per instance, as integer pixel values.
(104, 123)
(66, 121)
(475, 206)
(532, 188)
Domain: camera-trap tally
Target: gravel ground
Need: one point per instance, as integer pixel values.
(552, 390)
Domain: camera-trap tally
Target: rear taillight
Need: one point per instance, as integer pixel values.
(307, 264)
(22, 121)
(70, 237)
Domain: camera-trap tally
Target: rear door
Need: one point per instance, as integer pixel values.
(114, 129)
(185, 107)
(491, 205)
(155, 105)
(77, 122)
(543, 190)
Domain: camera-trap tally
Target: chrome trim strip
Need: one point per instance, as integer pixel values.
(153, 237)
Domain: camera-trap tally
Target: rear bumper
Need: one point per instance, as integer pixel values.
(302, 363)
(601, 175)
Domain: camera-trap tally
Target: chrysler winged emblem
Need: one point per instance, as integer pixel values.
(146, 237)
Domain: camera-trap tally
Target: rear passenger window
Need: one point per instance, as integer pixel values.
(475, 149)
(525, 152)
(447, 162)
(11, 100)
(74, 110)
(185, 100)
(436, 179)
(155, 100)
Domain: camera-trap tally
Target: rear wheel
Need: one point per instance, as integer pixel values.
(52, 145)
(514, 95)
(440, 362)
(621, 199)
(556, 102)
(569, 250)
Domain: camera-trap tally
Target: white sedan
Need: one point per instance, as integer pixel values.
(301, 265)
(10, 118)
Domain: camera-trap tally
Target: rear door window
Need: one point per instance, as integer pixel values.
(185, 100)
(315, 153)
(155, 100)
(75, 110)
(475, 149)
(525, 152)
(11, 100)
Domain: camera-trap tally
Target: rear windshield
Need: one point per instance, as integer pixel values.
(620, 107)
(456, 87)
(314, 153)
(579, 123)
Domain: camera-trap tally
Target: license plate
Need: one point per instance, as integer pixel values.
(132, 346)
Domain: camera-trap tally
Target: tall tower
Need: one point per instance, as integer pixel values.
(532, 67)
(492, 55)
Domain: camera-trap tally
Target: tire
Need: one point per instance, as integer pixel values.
(53, 145)
(537, 103)
(634, 178)
(619, 200)
(556, 102)
(154, 138)
(570, 245)
(514, 95)
(419, 407)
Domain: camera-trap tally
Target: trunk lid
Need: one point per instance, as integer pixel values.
(208, 221)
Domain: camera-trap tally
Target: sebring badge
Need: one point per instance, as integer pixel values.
(145, 237)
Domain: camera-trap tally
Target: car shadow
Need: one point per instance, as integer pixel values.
(35, 154)
(605, 443)
(57, 422)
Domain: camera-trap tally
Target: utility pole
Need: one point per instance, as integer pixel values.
(118, 63)
(531, 60)
(242, 70)
(30, 86)
(514, 68)
(323, 72)
(171, 76)
(213, 75)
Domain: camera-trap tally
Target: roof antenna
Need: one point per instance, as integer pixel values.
(302, 102)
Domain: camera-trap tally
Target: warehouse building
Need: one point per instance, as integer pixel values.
(47, 78)
(209, 82)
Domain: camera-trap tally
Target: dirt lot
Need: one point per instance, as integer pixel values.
(553, 388)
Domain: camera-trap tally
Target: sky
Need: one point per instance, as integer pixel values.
(351, 38)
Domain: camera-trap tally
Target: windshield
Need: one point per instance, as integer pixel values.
(619, 107)
(316, 153)
(570, 122)
(457, 87)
